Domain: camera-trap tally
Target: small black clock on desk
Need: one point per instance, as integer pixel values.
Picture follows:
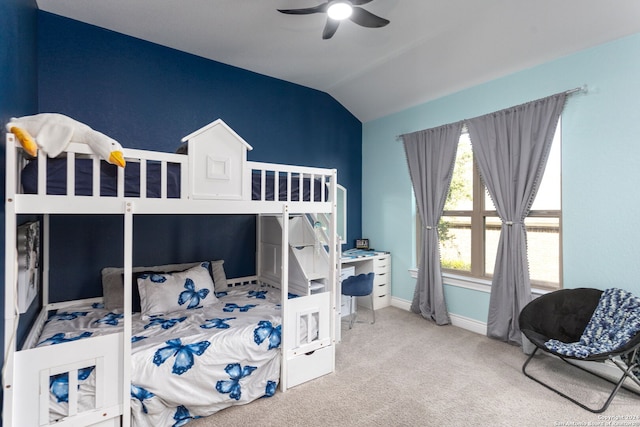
(362, 244)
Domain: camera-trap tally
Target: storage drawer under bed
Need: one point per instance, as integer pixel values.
(306, 367)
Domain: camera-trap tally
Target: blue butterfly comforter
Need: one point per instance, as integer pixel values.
(187, 364)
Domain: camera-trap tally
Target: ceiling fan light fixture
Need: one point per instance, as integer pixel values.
(340, 10)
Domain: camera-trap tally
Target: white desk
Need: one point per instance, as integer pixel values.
(367, 262)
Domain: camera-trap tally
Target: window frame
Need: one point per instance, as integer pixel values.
(478, 215)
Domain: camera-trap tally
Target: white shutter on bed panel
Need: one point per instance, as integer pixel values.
(310, 352)
(35, 367)
(308, 323)
(217, 162)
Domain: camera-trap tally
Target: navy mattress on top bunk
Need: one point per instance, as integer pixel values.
(57, 181)
(57, 178)
(296, 194)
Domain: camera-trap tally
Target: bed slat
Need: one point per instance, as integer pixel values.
(73, 392)
(163, 180)
(143, 179)
(42, 175)
(120, 182)
(44, 397)
(71, 173)
(95, 173)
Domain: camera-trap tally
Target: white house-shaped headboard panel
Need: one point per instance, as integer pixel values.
(217, 163)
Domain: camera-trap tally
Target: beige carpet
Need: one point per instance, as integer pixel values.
(406, 371)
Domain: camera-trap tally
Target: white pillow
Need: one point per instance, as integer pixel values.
(162, 293)
(113, 283)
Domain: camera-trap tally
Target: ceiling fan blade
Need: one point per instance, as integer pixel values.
(367, 19)
(330, 28)
(360, 2)
(321, 8)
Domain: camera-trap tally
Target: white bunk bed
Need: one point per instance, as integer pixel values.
(213, 178)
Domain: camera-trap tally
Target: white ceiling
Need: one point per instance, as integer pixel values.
(430, 49)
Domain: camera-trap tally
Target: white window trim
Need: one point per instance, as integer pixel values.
(473, 283)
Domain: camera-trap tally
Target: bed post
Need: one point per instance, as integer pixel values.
(334, 270)
(10, 267)
(46, 246)
(126, 332)
(259, 248)
(284, 290)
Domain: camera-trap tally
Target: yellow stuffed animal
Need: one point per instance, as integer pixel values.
(52, 133)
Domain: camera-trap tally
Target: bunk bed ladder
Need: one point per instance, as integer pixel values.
(308, 266)
(308, 346)
(310, 252)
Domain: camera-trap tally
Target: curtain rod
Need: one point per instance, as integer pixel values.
(584, 88)
(581, 89)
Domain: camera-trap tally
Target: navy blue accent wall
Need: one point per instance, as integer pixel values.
(18, 91)
(148, 96)
(96, 242)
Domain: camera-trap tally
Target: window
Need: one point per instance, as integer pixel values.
(470, 228)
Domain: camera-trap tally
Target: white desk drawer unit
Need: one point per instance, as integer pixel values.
(380, 264)
(382, 281)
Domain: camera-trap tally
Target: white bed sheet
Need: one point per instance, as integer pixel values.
(185, 364)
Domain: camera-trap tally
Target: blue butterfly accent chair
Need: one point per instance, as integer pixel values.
(359, 286)
(563, 315)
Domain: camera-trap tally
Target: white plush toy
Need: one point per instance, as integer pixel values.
(52, 133)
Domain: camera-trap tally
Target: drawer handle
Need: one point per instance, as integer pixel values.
(381, 274)
(382, 296)
(384, 284)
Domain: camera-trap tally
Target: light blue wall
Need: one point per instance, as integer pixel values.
(600, 169)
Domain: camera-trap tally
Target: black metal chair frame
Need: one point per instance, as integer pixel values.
(538, 332)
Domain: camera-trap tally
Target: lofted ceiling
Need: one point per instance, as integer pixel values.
(430, 49)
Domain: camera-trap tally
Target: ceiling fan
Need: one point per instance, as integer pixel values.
(338, 10)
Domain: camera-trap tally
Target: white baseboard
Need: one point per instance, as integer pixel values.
(469, 324)
(456, 320)
(401, 303)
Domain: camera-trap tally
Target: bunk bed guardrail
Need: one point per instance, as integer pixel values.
(154, 175)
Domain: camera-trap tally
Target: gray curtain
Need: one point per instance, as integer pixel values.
(431, 155)
(511, 148)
